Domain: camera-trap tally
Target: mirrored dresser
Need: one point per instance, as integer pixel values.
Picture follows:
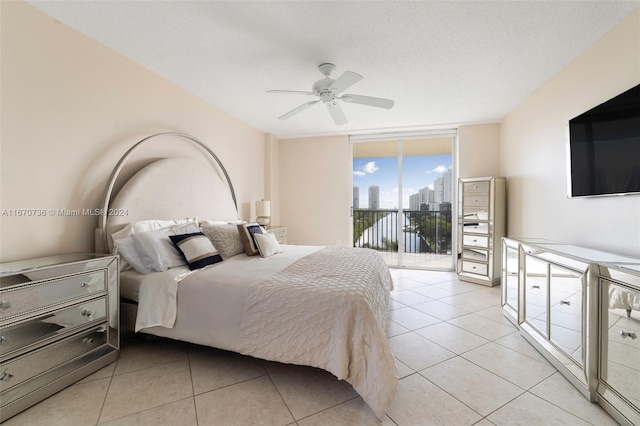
(580, 308)
(59, 322)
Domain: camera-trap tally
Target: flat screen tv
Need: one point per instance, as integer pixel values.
(604, 148)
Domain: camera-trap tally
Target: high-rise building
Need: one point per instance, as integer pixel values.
(447, 190)
(414, 202)
(374, 197)
(356, 197)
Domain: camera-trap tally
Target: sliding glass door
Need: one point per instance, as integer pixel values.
(402, 199)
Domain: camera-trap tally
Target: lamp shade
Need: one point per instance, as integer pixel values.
(263, 208)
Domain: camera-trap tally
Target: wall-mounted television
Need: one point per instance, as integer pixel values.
(604, 148)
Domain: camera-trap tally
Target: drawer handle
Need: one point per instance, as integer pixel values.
(626, 334)
(565, 302)
(4, 304)
(5, 377)
(2, 339)
(85, 313)
(536, 286)
(87, 340)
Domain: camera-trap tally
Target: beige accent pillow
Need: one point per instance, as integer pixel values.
(225, 238)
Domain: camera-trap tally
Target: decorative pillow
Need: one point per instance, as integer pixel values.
(126, 248)
(197, 249)
(247, 231)
(220, 222)
(267, 244)
(225, 238)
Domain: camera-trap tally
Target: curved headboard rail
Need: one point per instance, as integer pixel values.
(102, 225)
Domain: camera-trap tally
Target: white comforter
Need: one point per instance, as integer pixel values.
(324, 308)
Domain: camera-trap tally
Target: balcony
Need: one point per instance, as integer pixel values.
(425, 236)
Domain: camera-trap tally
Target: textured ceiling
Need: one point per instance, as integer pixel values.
(443, 62)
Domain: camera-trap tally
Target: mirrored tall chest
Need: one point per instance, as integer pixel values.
(481, 226)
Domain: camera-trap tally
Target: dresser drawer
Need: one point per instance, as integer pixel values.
(476, 187)
(475, 241)
(477, 255)
(475, 202)
(50, 324)
(478, 228)
(475, 268)
(19, 300)
(20, 369)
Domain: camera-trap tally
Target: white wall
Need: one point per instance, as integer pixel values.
(533, 156)
(70, 108)
(315, 190)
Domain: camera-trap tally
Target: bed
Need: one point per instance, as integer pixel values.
(323, 307)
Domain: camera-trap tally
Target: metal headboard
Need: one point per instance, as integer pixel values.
(102, 225)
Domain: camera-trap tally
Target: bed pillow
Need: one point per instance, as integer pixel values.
(156, 249)
(126, 248)
(197, 249)
(150, 225)
(144, 226)
(267, 244)
(247, 231)
(225, 238)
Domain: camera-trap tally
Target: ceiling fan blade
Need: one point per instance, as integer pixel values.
(297, 110)
(346, 80)
(291, 92)
(337, 113)
(368, 100)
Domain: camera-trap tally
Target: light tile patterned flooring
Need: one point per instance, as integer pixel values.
(460, 363)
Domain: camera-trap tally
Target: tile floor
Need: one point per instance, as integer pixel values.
(460, 363)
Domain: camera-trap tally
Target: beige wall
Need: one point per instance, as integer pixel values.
(533, 150)
(315, 191)
(70, 108)
(478, 150)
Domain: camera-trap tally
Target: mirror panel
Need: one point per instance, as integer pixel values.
(566, 307)
(620, 368)
(536, 281)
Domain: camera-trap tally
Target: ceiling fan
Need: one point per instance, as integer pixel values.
(328, 91)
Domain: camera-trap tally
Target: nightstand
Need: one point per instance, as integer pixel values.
(279, 231)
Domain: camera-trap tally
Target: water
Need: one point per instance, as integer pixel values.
(386, 228)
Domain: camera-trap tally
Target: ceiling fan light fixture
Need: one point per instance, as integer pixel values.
(328, 90)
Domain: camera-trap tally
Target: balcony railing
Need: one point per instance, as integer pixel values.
(421, 231)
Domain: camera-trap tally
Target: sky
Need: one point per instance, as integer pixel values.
(418, 172)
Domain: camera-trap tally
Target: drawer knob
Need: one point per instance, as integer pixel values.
(83, 284)
(626, 334)
(85, 313)
(2, 339)
(4, 304)
(5, 377)
(87, 340)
